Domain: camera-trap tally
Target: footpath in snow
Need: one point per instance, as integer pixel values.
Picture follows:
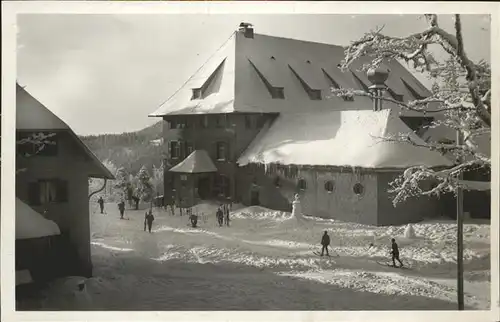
(265, 261)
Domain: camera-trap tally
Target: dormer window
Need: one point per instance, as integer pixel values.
(196, 94)
(278, 93)
(275, 91)
(314, 94)
(207, 87)
(337, 86)
(396, 96)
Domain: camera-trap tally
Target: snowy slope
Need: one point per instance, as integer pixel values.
(264, 261)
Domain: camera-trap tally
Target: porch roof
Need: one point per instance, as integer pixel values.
(197, 162)
(31, 224)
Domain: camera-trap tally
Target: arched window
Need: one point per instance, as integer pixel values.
(329, 186)
(302, 184)
(358, 189)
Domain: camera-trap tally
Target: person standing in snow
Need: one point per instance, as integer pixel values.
(149, 219)
(145, 220)
(220, 216)
(101, 204)
(325, 242)
(121, 207)
(395, 253)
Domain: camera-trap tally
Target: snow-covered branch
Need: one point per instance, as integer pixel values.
(460, 100)
(36, 142)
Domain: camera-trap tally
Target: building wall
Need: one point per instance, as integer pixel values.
(235, 134)
(72, 216)
(410, 211)
(342, 203)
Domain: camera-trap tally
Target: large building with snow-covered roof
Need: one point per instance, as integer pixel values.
(261, 107)
(53, 182)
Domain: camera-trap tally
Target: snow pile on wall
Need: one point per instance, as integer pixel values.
(30, 224)
(258, 212)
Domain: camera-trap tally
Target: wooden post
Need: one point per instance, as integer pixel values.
(460, 240)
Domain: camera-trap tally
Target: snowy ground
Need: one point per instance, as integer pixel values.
(264, 261)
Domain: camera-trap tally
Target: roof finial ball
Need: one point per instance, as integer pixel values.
(378, 76)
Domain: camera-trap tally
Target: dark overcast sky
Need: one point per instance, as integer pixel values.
(106, 73)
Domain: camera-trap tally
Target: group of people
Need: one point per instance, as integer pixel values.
(121, 206)
(222, 215)
(325, 242)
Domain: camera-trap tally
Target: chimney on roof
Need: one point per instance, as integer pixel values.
(378, 77)
(247, 29)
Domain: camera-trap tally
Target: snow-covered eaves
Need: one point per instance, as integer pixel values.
(197, 162)
(339, 139)
(31, 224)
(33, 116)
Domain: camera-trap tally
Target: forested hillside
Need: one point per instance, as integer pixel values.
(129, 150)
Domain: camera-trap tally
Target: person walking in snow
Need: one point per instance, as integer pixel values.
(220, 216)
(325, 242)
(101, 204)
(395, 253)
(172, 207)
(226, 215)
(149, 219)
(121, 207)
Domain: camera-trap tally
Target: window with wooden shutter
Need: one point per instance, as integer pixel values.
(203, 121)
(47, 191)
(174, 149)
(221, 151)
(62, 191)
(182, 149)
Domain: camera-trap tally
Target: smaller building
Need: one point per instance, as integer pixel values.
(53, 180)
(193, 179)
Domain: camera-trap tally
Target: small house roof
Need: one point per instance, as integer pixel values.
(197, 162)
(32, 115)
(339, 138)
(31, 224)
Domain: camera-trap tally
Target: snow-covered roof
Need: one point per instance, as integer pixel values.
(31, 224)
(197, 162)
(482, 142)
(31, 115)
(339, 138)
(236, 78)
